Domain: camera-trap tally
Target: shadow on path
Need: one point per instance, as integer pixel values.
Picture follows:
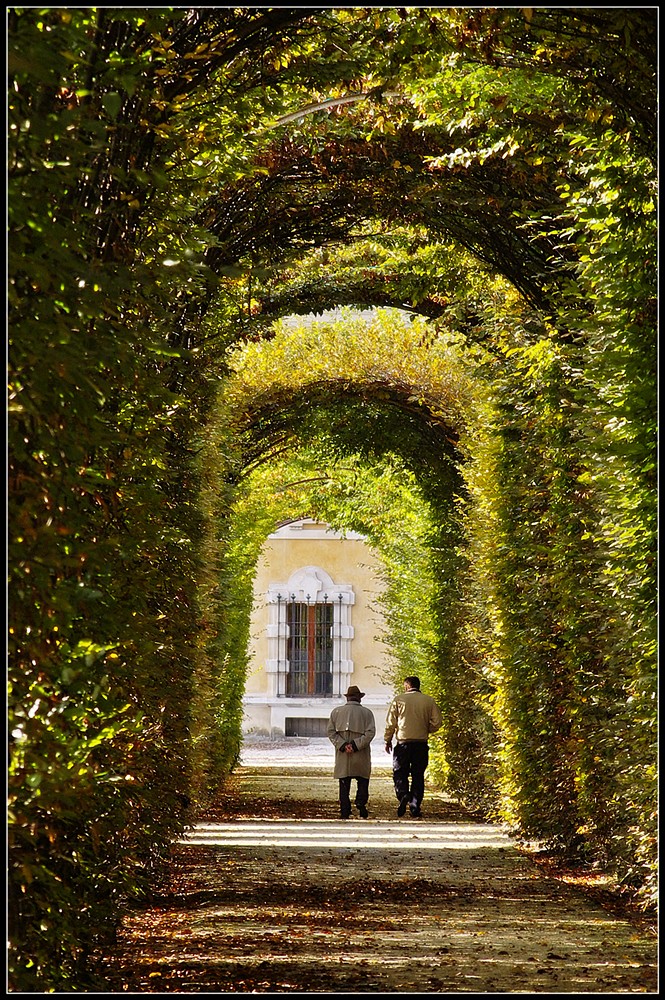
(272, 893)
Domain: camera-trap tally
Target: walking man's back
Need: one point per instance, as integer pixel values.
(412, 717)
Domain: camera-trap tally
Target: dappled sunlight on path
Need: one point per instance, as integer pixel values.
(271, 892)
(358, 833)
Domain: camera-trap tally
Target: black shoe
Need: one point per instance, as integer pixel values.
(415, 812)
(401, 808)
(345, 816)
(363, 811)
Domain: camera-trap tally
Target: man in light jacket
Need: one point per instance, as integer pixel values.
(351, 729)
(412, 716)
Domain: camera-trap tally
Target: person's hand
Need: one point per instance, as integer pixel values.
(349, 748)
(389, 746)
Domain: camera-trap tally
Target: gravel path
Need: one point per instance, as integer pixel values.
(273, 893)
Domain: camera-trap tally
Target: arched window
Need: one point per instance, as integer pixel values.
(309, 636)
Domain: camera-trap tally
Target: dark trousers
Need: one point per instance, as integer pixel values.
(362, 794)
(410, 762)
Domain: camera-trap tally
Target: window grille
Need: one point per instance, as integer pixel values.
(309, 649)
(309, 636)
(306, 727)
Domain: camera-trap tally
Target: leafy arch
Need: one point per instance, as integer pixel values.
(380, 389)
(401, 364)
(161, 161)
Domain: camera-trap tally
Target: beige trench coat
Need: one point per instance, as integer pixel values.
(352, 722)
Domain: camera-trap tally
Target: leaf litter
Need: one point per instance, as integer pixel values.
(263, 917)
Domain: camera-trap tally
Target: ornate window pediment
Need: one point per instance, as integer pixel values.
(309, 635)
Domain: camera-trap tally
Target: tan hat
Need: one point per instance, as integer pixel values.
(355, 692)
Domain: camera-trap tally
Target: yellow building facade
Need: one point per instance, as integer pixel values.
(316, 629)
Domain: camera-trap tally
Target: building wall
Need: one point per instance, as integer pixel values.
(352, 568)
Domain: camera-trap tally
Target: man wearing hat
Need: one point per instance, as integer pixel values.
(351, 729)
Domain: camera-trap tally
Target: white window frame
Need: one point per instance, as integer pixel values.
(309, 585)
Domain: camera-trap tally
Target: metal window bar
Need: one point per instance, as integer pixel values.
(339, 643)
(279, 641)
(323, 677)
(309, 649)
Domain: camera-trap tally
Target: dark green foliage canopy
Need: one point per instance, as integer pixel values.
(180, 177)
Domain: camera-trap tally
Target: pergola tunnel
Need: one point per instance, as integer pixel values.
(376, 425)
(377, 286)
(307, 450)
